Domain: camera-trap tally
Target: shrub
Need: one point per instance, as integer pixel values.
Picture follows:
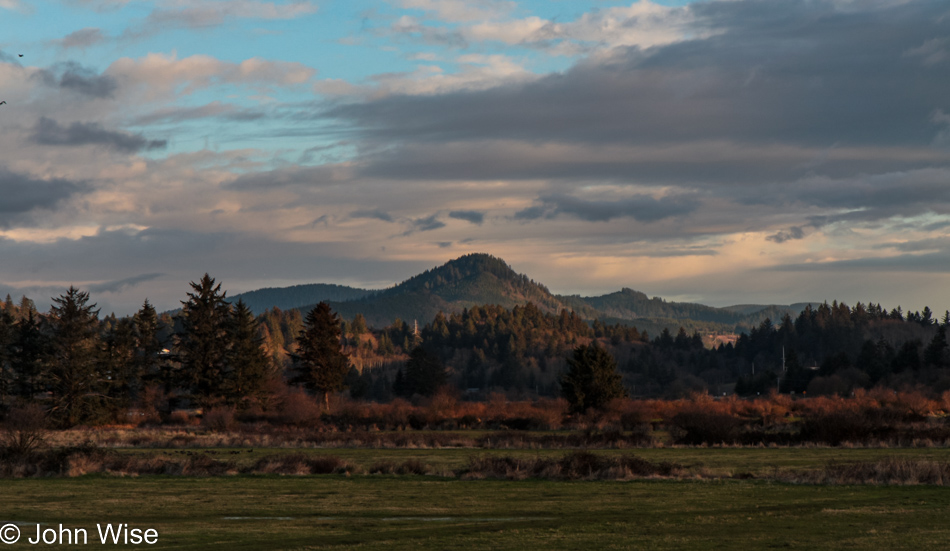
(219, 418)
(24, 429)
(701, 427)
(836, 427)
(299, 409)
(413, 466)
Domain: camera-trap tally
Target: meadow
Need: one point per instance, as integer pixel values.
(629, 479)
(412, 512)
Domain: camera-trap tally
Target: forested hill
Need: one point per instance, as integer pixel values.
(630, 305)
(471, 280)
(479, 279)
(287, 298)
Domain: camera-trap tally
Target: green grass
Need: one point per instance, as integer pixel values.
(419, 513)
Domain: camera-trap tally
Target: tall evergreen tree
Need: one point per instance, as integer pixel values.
(119, 365)
(592, 379)
(148, 346)
(75, 353)
(937, 354)
(320, 364)
(248, 362)
(28, 355)
(7, 332)
(424, 373)
(203, 341)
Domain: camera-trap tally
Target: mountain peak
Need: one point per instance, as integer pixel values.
(468, 268)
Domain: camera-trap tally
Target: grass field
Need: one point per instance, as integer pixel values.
(365, 511)
(387, 512)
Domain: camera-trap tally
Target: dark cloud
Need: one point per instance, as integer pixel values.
(122, 284)
(774, 87)
(862, 198)
(82, 80)
(375, 213)
(690, 163)
(795, 232)
(290, 177)
(935, 262)
(21, 193)
(531, 213)
(473, 216)
(428, 223)
(49, 132)
(643, 208)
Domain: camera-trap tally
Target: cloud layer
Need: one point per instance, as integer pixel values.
(742, 150)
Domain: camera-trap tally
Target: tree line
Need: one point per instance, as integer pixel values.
(89, 369)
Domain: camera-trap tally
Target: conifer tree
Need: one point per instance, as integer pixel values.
(75, 353)
(6, 347)
(203, 341)
(119, 365)
(424, 373)
(320, 364)
(592, 379)
(148, 346)
(248, 362)
(28, 354)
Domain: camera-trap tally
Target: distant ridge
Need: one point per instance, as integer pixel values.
(478, 279)
(287, 298)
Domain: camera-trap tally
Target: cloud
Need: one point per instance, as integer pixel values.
(931, 52)
(642, 24)
(22, 193)
(412, 28)
(199, 14)
(15, 5)
(794, 73)
(49, 132)
(122, 284)
(81, 39)
(303, 177)
(687, 163)
(215, 109)
(184, 255)
(642, 208)
(473, 216)
(156, 74)
(375, 213)
(461, 10)
(795, 232)
(925, 263)
(428, 223)
(76, 78)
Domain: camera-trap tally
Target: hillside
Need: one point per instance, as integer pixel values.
(471, 280)
(479, 279)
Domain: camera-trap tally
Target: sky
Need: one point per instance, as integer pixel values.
(723, 152)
